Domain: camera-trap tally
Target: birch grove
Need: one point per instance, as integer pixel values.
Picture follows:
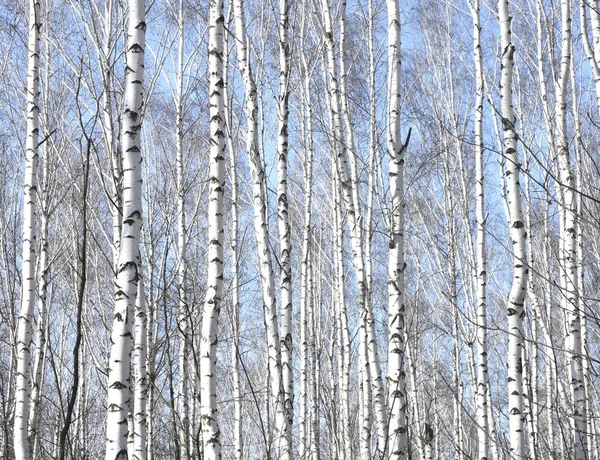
(303, 230)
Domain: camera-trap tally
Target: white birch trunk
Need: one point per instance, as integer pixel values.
(570, 298)
(282, 427)
(25, 323)
(235, 260)
(116, 204)
(483, 439)
(305, 267)
(140, 415)
(378, 388)
(348, 187)
(518, 292)
(396, 264)
(128, 271)
(592, 53)
(41, 345)
(315, 362)
(579, 186)
(342, 320)
(183, 313)
(285, 232)
(212, 305)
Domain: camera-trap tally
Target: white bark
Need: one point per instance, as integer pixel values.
(128, 271)
(282, 427)
(183, 313)
(25, 323)
(212, 305)
(570, 296)
(396, 264)
(306, 246)
(480, 271)
(349, 192)
(518, 292)
(140, 414)
(285, 231)
(378, 388)
(593, 53)
(41, 345)
(342, 321)
(235, 260)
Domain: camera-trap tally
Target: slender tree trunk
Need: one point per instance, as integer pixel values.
(235, 260)
(41, 346)
(593, 53)
(315, 352)
(212, 305)
(25, 324)
(570, 298)
(579, 186)
(306, 255)
(518, 292)
(396, 264)
(81, 288)
(283, 438)
(342, 320)
(110, 143)
(128, 271)
(140, 412)
(483, 440)
(183, 408)
(349, 192)
(285, 232)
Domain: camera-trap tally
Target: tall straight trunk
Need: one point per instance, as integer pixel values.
(212, 305)
(261, 230)
(140, 404)
(342, 320)
(315, 353)
(377, 376)
(348, 187)
(305, 273)
(592, 52)
(285, 232)
(235, 261)
(41, 345)
(412, 369)
(110, 143)
(378, 387)
(518, 291)
(81, 288)
(483, 438)
(128, 270)
(396, 264)
(25, 323)
(532, 362)
(570, 297)
(579, 186)
(183, 313)
(152, 320)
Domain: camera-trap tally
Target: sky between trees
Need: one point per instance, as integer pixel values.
(261, 229)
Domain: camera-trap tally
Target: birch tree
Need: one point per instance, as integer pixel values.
(212, 306)
(349, 193)
(480, 270)
(396, 264)
(276, 389)
(568, 258)
(518, 291)
(182, 271)
(285, 232)
(25, 325)
(128, 272)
